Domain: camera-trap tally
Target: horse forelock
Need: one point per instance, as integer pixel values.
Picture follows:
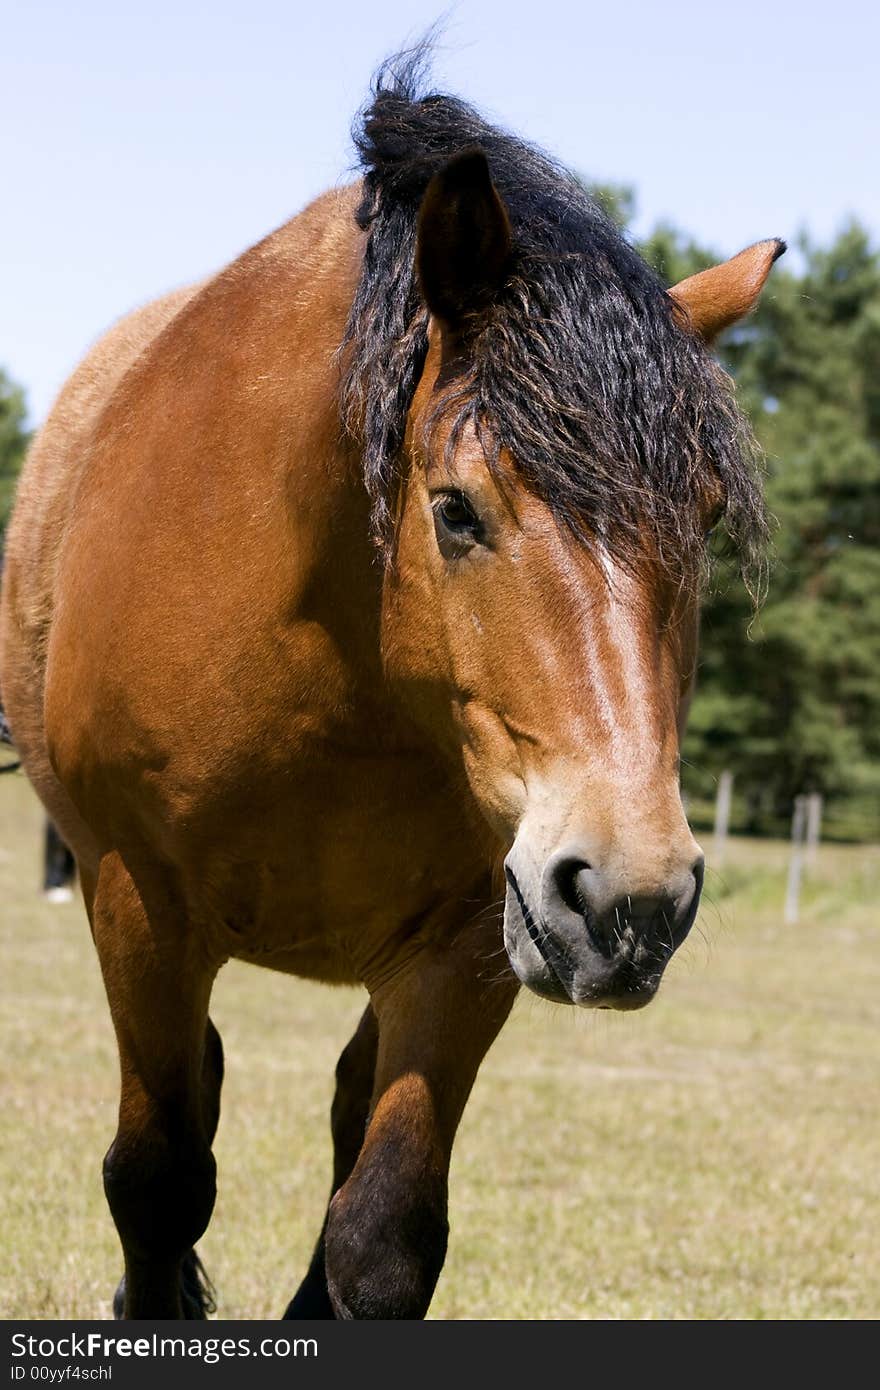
(615, 416)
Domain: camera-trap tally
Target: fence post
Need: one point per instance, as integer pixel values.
(814, 825)
(796, 863)
(722, 815)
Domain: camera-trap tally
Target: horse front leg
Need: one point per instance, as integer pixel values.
(355, 1074)
(159, 1173)
(197, 1296)
(386, 1230)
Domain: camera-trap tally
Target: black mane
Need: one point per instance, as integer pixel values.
(612, 413)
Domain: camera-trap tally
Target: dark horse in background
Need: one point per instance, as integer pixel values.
(59, 865)
(350, 594)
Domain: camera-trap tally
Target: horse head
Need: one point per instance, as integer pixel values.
(542, 598)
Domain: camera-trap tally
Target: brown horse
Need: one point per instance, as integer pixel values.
(350, 594)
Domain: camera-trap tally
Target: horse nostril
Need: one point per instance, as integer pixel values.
(698, 869)
(568, 877)
(577, 885)
(685, 897)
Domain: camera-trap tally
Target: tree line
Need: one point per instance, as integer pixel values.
(788, 698)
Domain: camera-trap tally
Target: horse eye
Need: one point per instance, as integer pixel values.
(456, 524)
(456, 512)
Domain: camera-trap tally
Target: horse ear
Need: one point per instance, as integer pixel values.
(463, 242)
(714, 299)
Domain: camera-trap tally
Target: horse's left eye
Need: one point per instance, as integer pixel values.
(456, 523)
(456, 512)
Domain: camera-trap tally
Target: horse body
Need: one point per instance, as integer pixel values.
(266, 738)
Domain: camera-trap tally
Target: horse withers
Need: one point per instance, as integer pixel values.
(350, 595)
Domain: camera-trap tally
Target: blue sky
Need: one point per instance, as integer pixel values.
(149, 144)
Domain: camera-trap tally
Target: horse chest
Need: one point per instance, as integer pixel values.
(342, 871)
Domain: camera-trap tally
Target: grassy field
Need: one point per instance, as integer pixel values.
(717, 1156)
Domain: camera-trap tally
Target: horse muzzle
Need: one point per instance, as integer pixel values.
(575, 937)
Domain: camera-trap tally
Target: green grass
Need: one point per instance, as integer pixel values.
(716, 1156)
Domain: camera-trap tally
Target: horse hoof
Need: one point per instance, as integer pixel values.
(197, 1296)
(310, 1304)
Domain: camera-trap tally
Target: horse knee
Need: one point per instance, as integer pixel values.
(383, 1254)
(161, 1198)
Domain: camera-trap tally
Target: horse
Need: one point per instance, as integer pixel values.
(59, 866)
(5, 732)
(349, 627)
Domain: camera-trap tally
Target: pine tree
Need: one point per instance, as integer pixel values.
(790, 699)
